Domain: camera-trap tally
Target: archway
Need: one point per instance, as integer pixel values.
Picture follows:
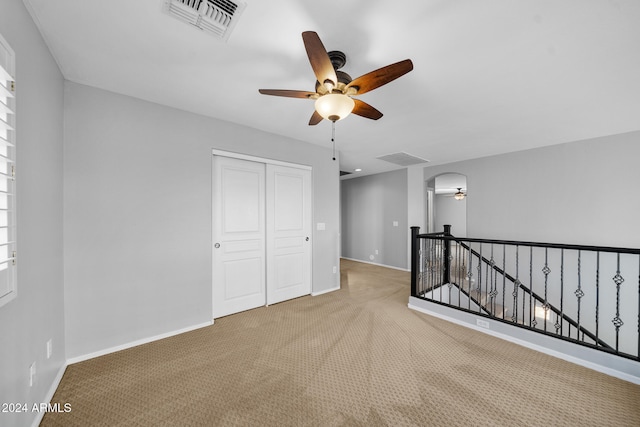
(442, 205)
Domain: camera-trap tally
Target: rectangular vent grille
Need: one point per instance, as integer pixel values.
(217, 17)
(402, 159)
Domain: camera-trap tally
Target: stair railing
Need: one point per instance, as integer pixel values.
(528, 284)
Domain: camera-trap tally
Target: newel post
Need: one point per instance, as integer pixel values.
(447, 254)
(415, 260)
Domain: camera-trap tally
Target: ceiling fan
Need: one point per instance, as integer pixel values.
(335, 89)
(456, 193)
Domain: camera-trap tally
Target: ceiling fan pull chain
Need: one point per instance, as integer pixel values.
(333, 138)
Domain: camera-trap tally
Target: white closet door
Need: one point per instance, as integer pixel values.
(288, 233)
(239, 235)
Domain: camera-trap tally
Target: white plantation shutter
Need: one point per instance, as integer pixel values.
(8, 289)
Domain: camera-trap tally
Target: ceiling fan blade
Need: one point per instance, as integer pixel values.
(365, 110)
(319, 58)
(288, 93)
(315, 118)
(381, 76)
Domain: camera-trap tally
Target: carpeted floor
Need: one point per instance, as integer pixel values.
(354, 357)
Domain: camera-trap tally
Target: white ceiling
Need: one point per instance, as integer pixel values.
(489, 76)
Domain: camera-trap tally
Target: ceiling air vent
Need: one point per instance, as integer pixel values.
(217, 17)
(402, 159)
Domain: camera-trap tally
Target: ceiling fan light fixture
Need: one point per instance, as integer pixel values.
(459, 195)
(334, 106)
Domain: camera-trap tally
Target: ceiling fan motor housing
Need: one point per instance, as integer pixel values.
(337, 58)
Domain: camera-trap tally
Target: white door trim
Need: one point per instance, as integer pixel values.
(264, 160)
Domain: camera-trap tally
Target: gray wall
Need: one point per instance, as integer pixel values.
(36, 315)
(452, 212)
(138, 215)
(581, 192)
(369, 206)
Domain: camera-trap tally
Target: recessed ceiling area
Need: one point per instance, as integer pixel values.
(489, 77)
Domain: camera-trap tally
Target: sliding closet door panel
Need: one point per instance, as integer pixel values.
(288, 233)
(239, 235)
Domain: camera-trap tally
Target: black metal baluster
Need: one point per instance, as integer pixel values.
(545, 307)
(546, 270)
(420, 276)
(617, 321)
(437, 265)
(479, 287)
(489, 299)
(516, 284)
(494, 284)
(487, 286)
(460, 268)
(533, 322)
(579, 294)
(449, 285)
(530, 286)
(504, 278)
(427, 278)
(560, 317)
(460, 280)
(459, 263)
(451, 279)
(428, 264)
(442, 268)
(454, 264)
(469, 277)
(597, 295)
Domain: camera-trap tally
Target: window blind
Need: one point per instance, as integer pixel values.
(8, 289)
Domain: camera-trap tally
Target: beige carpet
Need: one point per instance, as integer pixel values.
(355, 357)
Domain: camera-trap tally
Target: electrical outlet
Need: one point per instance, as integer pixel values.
(335, 269)
(32, 374)
(49, 348)
(376, 252)
(482, 323)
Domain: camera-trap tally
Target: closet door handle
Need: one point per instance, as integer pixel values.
(217, 245)
(307, 239)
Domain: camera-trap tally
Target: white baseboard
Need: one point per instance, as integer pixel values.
(375, 263)
(52, 390)
(574, 353)
(136, 343)
(326, 291)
